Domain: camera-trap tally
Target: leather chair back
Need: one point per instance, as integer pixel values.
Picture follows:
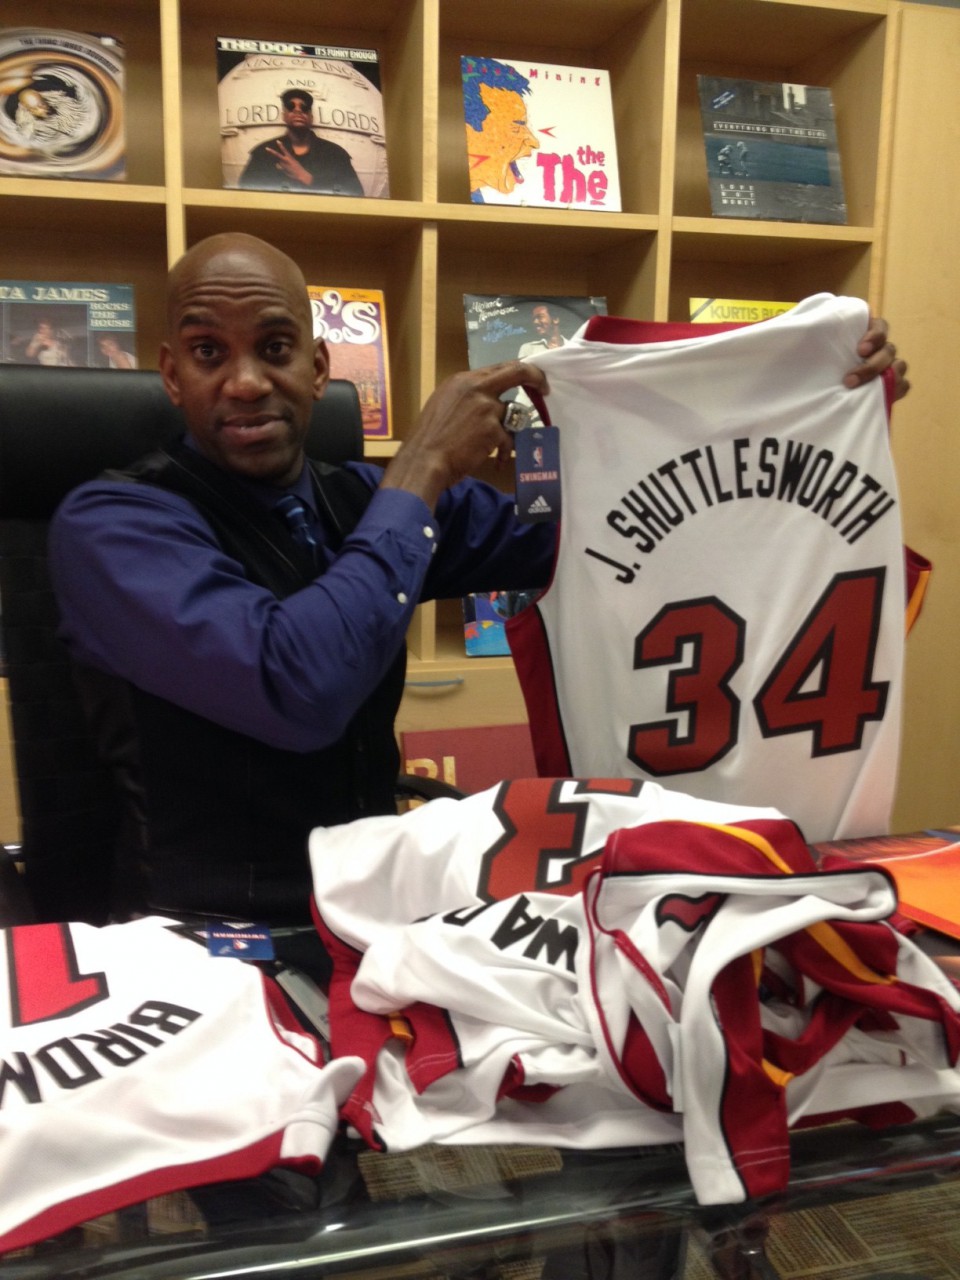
(58, 428)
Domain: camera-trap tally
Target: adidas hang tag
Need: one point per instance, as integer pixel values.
(538, 473)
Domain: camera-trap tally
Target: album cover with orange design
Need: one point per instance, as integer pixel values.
(925, 866)
(353, 323)
(539, 134)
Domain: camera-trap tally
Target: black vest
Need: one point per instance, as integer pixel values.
(217, 822)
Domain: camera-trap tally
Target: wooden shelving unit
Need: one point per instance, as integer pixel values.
(427, 244)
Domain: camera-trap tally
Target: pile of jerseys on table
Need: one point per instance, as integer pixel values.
(571, 963)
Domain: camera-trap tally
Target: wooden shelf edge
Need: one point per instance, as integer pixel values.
(278, 202)
(756, 227)
(374, 450)
(521, 216)
(69, 189)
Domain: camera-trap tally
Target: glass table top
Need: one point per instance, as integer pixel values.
(523, 1213)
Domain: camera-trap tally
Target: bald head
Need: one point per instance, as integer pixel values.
(240, 358)
(229, 262)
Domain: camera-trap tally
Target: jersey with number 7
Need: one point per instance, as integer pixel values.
(726, 613)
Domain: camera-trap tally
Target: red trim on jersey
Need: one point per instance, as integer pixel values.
(644, 1069)
(876, 947)
(353, 1031)
(753, 1110)
(679, 846)
(248, 1162)
(918, 570)
(617, 330)
(830, 1020)
(513, 1085)
(282, 1018)
(540, 405)
(531, 658)
(636, 1062)
(435, 1050)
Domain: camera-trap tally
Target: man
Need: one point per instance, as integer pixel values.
(299, 160)
(47, 346)
(546, 324)
(243, 693)
(113, 354)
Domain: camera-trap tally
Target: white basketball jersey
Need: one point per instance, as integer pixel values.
(132, 1063)
(726, 613)
(691, 978)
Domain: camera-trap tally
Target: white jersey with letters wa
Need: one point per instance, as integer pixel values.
(727, 608)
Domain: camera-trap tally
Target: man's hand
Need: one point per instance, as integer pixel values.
(878, 354)
(288, 164)
(460, 427)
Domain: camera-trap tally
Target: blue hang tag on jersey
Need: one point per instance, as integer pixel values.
(239, 940)
(538, 474)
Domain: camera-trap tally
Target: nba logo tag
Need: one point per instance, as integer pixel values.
(538, 473)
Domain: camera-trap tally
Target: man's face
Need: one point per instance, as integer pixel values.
(243, 366)
(503, 139)
(543, 322)
(296, 114)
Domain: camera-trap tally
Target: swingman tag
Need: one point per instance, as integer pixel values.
(538, 474)
(240, 941)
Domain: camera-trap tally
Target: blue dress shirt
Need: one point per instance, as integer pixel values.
(146, 593)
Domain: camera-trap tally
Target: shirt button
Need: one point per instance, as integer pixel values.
(428, 531)
(401, 597)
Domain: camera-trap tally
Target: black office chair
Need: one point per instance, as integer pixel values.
(59, 427)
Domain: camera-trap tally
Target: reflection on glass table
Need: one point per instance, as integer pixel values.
(860, 1205)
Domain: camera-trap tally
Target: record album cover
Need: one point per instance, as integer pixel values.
(68, 324)
(306, 118)
(735, 310)
(925, 866)
(353, 323)
(61, 104)
(511, 326)
(771, 150)
(539, 134)
(516, 326)
(484, 615)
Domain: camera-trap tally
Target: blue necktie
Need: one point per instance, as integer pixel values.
(298, 521)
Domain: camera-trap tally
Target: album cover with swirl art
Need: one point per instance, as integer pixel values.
(61, 104)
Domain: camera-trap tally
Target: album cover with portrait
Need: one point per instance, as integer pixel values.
(515, 326)
(303, 118)
(68, 324)
(539, 134)
(61, 104)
